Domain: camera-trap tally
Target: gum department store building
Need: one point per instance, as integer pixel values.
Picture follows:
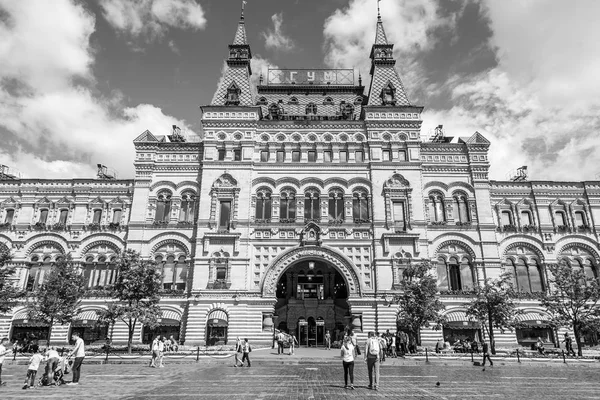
(299, 209)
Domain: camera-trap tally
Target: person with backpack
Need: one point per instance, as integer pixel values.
(373, 354)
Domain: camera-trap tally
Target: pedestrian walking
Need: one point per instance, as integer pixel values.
(328, 340)
(161, 351)
(280, 339)
(246, 349)
(486, 353)
(382, 345)
(292, 342)
(79, 353)
(568, 344)
(34, 365)
(403, 343)
(3, 352)
(238, 352)
(373, 357)
(348, 353)
(154, 349)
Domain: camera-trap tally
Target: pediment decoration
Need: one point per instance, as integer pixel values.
(311, 235)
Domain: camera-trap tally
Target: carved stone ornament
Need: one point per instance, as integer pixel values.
(299, 254)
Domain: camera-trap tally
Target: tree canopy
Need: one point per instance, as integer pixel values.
(9, 292)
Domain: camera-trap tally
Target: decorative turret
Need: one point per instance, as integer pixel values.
(386, 86)
(234, 88)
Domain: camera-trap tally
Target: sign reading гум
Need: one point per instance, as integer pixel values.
(310, 77)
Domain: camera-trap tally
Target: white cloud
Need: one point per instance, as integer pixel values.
(275, 39)
(59, 128)
(174, 48)
(540, 105)
(152, 18)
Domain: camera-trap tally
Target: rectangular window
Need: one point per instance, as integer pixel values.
(387, 155)
(63, 217)
(295, 156)
(343, 156)
(117, 216)
(280, 156)
(312, 156)
(559, 217)
(97, 216)
(327, 156)
(398, 211)
(402, 155)
(526, 218)
(221, 273)
(225, 214)
(221, 154)
(579, 218)
(43, 216)
(359, 156)
(237, 155)
(264, 156)
(506, 218)
(10, 214)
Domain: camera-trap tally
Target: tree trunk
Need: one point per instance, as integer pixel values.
(50, 331)
(491, 332)
(131, 327)
(576, 331)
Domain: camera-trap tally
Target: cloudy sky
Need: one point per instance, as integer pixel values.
(80, 79)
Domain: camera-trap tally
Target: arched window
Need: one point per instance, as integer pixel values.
(312, 207)
(293, 101)
(454, 273)
(360, 206)
(174, 266)
(311, 108)
(526, 269)
(581, 257)
(336, 206)
(262, 101)
(437, 207)
(232, 98)
(100, 273)
(163, 207)
(388, 95)
(42, 259)
(328, 101)
(287, 206)
(263, 206)
(462, 208)
(188, 207)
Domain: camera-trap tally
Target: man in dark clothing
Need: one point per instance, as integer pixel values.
(486, 354)
(569, 344)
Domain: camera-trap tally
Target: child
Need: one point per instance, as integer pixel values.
(34, 364)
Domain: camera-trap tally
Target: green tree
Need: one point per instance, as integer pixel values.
(418, 301)
(57, 299)
(9, 292)
(493, 306)
(573, 300)
(137, 293)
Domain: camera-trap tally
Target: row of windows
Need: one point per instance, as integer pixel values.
(560, 218)
(296, 156)
(438, 211)
(328, 101)
(187, 207)
(312, 206)
(64, 215)
(103, 273)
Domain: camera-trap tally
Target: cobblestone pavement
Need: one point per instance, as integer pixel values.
(266, 380)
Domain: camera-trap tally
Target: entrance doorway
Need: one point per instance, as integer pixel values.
(311, 299)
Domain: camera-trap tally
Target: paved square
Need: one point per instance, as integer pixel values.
(273, 379)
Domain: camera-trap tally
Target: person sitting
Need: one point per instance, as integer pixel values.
(540, 346)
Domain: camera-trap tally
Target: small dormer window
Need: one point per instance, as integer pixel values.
(347, 110)
(311, 108)
(274, 111)
(358, 101)
(233, 95)
(328, 101)
(262, 101)
(293, 100)
(388, 95)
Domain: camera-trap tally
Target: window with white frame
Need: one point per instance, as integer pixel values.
(360, 206)
(437, 208)
(263, 206)
(336, 206)
(219, 271)
(312, 205)
(188, 207)
(287, 206)
(163, 207)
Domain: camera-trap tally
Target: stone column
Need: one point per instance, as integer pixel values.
(289, 283)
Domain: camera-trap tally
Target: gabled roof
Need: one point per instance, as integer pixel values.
(477, 138)
(147, 136)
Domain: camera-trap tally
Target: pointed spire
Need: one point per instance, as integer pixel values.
(380, 36)
(240, 33)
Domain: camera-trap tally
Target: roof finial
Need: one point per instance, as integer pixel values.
(378, 10)
(243, 6)
(359, 78)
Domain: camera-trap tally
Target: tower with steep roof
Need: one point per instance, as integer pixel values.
(235, 88)
(386, 85)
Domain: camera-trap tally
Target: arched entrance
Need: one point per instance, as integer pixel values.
(312, 298)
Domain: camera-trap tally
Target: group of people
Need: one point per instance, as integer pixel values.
(467, 345)
(243, 348)
(374, 353)
(282, 339)
(55, 365)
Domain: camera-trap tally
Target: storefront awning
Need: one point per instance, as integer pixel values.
(460, 320)
(169, 318)
(85, 318)
(533, 319)
(22, 319)
(218, 318)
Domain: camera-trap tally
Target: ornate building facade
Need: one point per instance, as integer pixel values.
(299, 209)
